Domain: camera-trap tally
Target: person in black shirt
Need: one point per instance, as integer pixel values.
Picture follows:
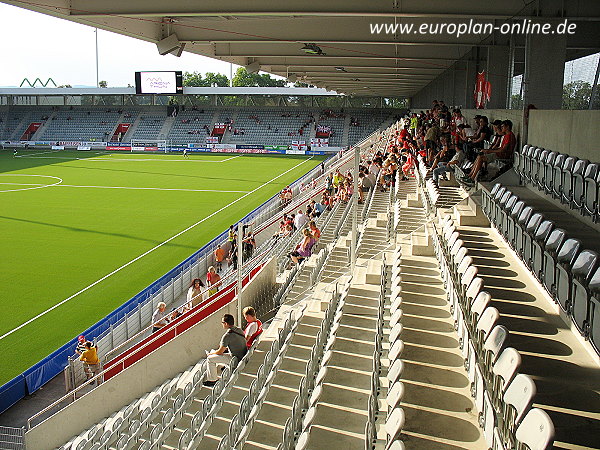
(476, 143)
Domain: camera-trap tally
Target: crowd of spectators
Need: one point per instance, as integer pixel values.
(445, 139)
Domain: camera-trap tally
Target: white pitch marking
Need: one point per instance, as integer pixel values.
(149, 251)
(26, 184)
(39, 153)
(102, 158)
(146, 188)
(33, 186)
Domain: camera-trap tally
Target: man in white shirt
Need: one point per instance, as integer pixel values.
(300, 220)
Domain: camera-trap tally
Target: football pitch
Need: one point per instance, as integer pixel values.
(82, 232)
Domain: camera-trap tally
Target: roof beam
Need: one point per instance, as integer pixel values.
(333, 8)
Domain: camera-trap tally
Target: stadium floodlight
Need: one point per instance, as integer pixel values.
(253, 68)
(168, 44)
(312, 49)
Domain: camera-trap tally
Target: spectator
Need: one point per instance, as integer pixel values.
(248, 245)
(300, 220)
(80, 345)
(253, 328)
(504, 151)
(303, 250)
(219, 257)
(497, 136)
(443, 167)
(91, 362)
(234, 341)
(214, 280)
(319, 208)
(431, 137)
(316, 233)
(194, 294)
(476, 142)
(160, 318)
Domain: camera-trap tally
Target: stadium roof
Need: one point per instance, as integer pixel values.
(326, 43)
(186, 90)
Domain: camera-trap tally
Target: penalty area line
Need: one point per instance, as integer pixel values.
(43, 313)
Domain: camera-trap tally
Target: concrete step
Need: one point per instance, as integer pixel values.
(465, 216)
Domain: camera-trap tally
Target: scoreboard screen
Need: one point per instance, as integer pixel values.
(159, 82)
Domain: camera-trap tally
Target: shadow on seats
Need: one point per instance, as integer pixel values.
(539, 345)
(527, 325)
(434, 376)
(427, 355)
(421, 337)
(449, 427)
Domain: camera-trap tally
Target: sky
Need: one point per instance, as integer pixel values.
(35, 45)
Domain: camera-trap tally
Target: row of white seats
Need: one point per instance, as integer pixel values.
(503, 396)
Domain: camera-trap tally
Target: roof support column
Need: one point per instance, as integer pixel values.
(497, 69)
(544, 70)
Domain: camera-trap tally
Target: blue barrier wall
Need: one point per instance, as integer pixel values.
(42, 372)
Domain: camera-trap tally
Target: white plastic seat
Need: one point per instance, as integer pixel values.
(395, 332)
(396, 317)
(396, 350)
(395, 395)
(395, 371)
(536, 431)
(394, 424)
(517, 399)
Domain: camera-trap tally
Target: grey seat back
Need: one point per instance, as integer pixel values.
(517, 208)
(568, 252)
(542, 232)
(584, 264)
(511, 202)
(580, 166)
(555, 240)
(534, 223)
(525, 215)
(499, 194)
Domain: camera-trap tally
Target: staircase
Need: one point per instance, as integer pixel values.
(40, 131)
(132, 128)
(346, 135)
(166, 128)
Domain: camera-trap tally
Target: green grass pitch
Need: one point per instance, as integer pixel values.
(69, 218)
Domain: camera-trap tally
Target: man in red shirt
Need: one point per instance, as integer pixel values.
(504, 150)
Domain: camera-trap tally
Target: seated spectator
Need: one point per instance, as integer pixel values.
(497, 136)
(303, 250)
(253, 328)
(319, 208)
(503, 151)
(316, 233)
(195, 294)
(161, 317)
(300, 220)
(443, 167)
(233, 341)
(214, 280)
(476, 142)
